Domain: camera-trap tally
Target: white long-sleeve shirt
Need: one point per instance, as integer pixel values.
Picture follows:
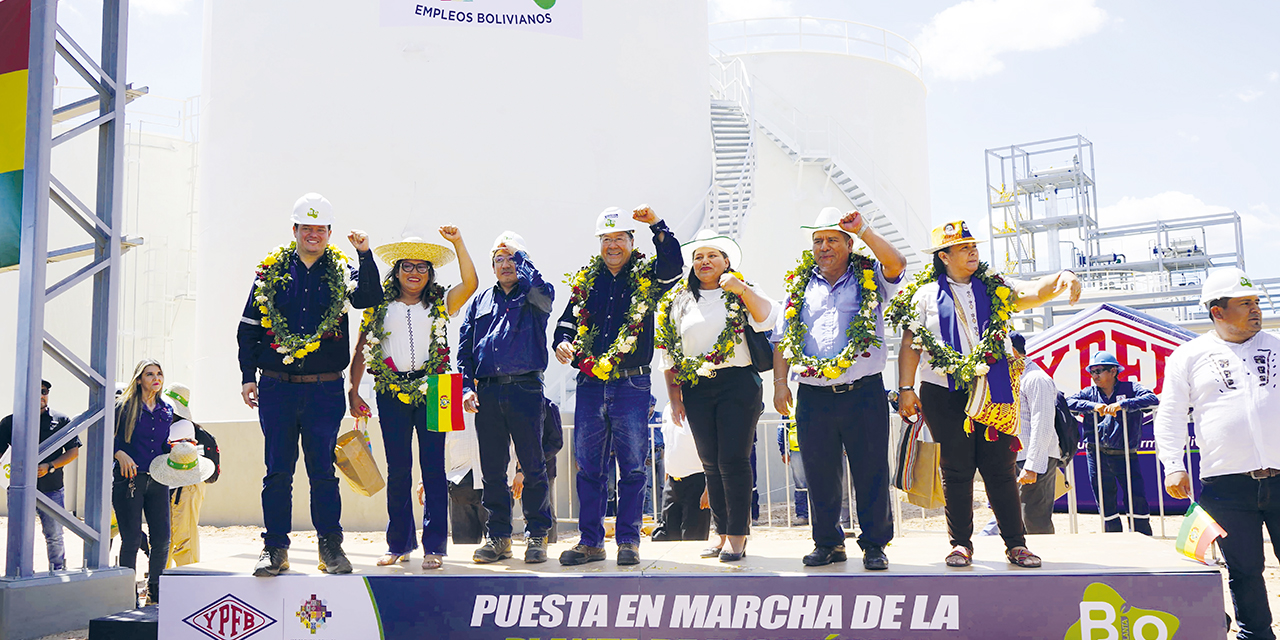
(1233, 393)
(1036, 411)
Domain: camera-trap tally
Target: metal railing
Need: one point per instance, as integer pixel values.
(816, 35)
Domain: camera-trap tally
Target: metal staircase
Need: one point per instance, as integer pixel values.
(735, 164)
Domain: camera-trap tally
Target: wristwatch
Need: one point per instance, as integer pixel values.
(907, 388)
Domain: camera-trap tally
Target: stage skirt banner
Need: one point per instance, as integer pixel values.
(15, 38)
(967, 606)
(551, 17)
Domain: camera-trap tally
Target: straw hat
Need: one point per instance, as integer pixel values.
(723, 244)
(180, 397)
(312, 208)
(182, 467)
(949, 235)
(828, 218)
(415, 248)
(613, 220)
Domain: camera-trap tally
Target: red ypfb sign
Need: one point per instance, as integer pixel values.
(229, 618)
(1140, 342)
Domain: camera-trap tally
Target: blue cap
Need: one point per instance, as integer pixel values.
(1104, 359)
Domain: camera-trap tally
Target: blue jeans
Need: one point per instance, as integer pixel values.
(611, 417)
(132, 498)
(512, 414)
(399, 421)
(855, 423)
(1243, 506)
(1113, 482)
(53, 545)
(312, 412)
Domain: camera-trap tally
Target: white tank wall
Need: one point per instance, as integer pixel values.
(882, 106)
(426, 126)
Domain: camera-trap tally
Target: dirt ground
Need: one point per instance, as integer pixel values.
(241, 540)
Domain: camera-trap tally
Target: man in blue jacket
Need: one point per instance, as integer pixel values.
(1106, 404)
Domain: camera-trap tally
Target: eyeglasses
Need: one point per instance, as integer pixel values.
(502, 260)
(408, 267)
(44, 391)
(1097, 371)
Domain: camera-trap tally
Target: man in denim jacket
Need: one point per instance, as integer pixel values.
(1106, 404)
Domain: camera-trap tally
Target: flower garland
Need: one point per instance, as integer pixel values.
(387, 380)
(643, 296)
(991, 348)
(667, 336)
(273, 274)
(861, 331)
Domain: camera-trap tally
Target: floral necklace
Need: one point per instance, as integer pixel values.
(640, 279)
(861, 331)
(273, 274)
(667, 336)
(902, 313)
(407, 389)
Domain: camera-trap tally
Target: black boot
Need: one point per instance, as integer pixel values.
(272, 561)
(332, 559)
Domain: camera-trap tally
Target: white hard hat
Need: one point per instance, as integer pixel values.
(312, 208)
(1227, 283)
(613, 219)
(513, 240)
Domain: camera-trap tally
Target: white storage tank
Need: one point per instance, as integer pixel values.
(438, 122)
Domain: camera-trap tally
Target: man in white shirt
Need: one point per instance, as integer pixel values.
(1227, 378)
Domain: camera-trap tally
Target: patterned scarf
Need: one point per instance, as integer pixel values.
(949, 325)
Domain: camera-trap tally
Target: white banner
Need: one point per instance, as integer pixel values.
(555, 17)
(290, 607)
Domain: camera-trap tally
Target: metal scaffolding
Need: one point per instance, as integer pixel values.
(102, 223)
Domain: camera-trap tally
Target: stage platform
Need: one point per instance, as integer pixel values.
(1136, 586)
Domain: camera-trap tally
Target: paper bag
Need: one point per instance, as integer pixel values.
(1060, 484)
(354, 459)
(925, 486)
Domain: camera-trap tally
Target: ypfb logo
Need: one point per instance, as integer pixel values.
(313, 614)
(229, 618)
(1104, 615)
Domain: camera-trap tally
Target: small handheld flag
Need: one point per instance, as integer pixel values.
(444, 402)
(1198, 532)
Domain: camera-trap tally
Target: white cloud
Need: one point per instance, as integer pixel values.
(1189, 137)
(1263, 227)
(1273, 76)
(966, 41)
(1249, 95)
(742, 9)
(161, 7)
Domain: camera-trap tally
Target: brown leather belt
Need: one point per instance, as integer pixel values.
(1261, 474)
(302, 379)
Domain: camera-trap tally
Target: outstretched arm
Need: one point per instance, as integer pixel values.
(1030, 295)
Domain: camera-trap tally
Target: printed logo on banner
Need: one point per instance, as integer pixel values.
(313, 614)
(1102, 609)
(229, 618)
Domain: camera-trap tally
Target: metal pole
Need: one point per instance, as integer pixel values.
(1072, 501)
(31, 290)
(1097, 465)
(1128, 468)
(1160, 493)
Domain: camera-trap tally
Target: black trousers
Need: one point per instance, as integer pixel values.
(132, 498)
(962, 455)
(467, 512)
(855, 423)
(722, 413)
(683, 517)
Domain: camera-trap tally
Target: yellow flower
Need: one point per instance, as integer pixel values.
(300, 353)
(269, 260)
(1003, 292)
(844, 363)
(312, 347)
(393, 387)
(404, 397)
(263, 309)
(266, 323)
(605, 366)
(832, 372)
(599, 372)
(791, 313)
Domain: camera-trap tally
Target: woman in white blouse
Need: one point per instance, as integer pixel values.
(410, 345)
(710, 378)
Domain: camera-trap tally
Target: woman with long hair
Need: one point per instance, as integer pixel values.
(702, 328)
(402, 341)
(142, 434)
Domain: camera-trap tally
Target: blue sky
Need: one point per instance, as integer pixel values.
(1180, 99)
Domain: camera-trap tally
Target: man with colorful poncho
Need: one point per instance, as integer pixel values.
(830, 337)
(957, 313)
(606, 331)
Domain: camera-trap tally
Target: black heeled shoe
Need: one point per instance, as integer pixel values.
(729, 556)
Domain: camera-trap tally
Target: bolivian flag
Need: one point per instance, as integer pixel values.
(444, 395)
(15, 38)
(1198, 532)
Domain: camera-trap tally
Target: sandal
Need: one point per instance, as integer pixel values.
(389, 559)
(1022, 557)
(960, 557)
(710, 552)
(432, 561)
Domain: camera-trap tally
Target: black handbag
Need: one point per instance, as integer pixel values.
(761, 349)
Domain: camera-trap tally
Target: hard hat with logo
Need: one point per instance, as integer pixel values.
(613, 219)
(312, 208)
(1227, 283)
(1104, 359)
